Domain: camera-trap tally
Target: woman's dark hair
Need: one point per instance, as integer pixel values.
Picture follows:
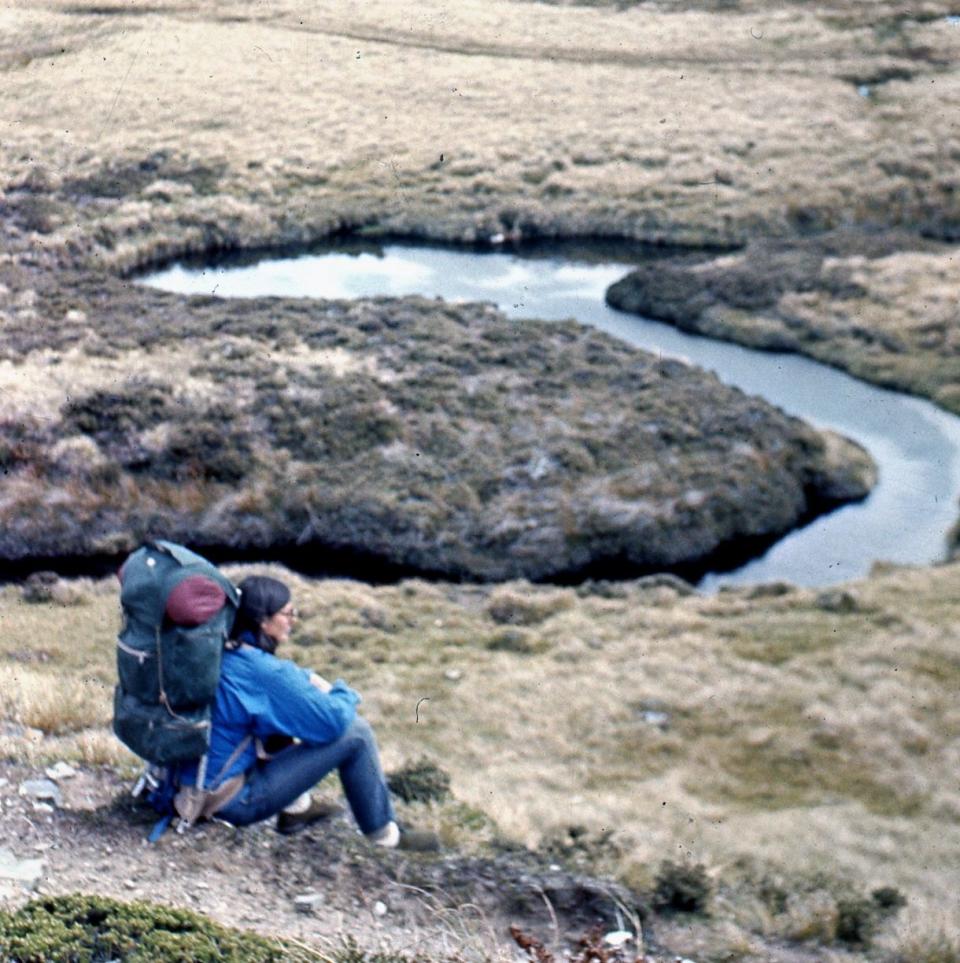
(260, 597)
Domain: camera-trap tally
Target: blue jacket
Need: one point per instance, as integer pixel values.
(261, 695)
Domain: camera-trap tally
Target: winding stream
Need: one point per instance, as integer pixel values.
(915, 445)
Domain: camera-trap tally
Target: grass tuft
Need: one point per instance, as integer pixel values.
(682, 888)
(420, 781)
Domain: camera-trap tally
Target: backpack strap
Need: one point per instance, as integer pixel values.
(193, 802)
(225, 768)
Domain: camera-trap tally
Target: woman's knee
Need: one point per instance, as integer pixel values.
(360, 730)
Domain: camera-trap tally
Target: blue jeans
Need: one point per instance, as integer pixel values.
(276, 782)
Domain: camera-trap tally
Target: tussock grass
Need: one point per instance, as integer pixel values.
(56, 706)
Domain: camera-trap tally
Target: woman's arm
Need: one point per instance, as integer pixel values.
(289, 701)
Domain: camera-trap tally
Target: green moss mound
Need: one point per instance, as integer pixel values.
(94, 929)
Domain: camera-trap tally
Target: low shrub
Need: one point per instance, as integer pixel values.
(513, 606)
(211, 449)
(888, 900)
(420, 781)
(95, 929)
(857, 919)
(112, 416)
(21, 443)
(38, 588)
(681, 888)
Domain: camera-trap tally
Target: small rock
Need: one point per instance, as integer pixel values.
(841, 601)
(62, 770)
(659, 719)
(760, 737)
(453, 675)
(307, 902)
(75, 316)
(618, 937)
(42, 807)
(379, 908)
(130, 883)
(4, 781)
(25, 872)
(42, 790)
(33, 735)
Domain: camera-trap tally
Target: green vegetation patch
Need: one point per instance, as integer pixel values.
(420, 781)
(775, 775)
(95, 929)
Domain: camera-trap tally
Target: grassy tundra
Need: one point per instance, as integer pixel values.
(813, 733)
(807, 731)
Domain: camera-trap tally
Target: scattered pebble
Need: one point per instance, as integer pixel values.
(654, 718)
(307, 902)
(618, 937)
(453, 675)
(42, 790)
(379, 908)
(62, 770)
(25, 872)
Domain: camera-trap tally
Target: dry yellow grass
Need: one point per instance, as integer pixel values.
(207, 125)
(679, 126)
(809, 740)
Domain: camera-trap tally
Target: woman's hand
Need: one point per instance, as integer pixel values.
(320, 682)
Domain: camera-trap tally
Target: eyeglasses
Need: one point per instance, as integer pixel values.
(290, 613)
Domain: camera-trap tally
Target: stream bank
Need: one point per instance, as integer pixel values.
(916, 446)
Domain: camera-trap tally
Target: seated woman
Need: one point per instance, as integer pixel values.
(263, 698)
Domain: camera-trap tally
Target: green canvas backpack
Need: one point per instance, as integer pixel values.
(178, 610)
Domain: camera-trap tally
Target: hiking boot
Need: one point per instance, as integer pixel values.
(318, 811)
